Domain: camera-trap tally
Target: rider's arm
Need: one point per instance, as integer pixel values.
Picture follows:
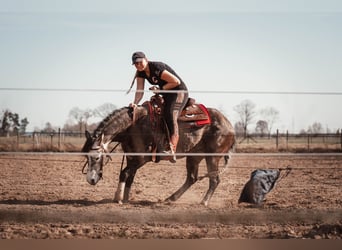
(140, 90)
(171, 79)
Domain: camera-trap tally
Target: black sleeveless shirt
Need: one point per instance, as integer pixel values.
(156, 69)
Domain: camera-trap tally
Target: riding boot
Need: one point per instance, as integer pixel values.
(174, 142)
(173, 147)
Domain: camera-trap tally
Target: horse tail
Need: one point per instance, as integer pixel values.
(226, 159)
(233, 146)
(229, 155)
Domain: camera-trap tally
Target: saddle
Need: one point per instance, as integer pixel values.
(193, 114)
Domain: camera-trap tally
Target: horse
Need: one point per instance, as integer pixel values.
(136, 131)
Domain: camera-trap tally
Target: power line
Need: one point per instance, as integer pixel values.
(174, 91)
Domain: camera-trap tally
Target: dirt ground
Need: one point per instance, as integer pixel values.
(47, 197)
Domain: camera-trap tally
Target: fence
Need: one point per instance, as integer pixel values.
(287, 142)
(63, 141)
(43, 141)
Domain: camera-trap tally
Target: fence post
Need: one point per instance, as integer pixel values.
(309, 141)
(51, 135)
(59, 139)
(33, 135)
(18, 138)
(277, 139)
(287, 139)
(36, 139)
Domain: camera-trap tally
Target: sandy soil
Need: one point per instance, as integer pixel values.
(47, 197)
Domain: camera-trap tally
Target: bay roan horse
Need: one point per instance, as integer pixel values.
(210, 142)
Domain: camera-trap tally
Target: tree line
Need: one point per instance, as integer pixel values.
(80, 120)
(247, 113)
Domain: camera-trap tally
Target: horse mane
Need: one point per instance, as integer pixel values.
(114, 120)
(117, 120)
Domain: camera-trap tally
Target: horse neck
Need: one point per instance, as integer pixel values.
(117, 122)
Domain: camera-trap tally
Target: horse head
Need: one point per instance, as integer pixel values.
(97, 157)
(96, 145)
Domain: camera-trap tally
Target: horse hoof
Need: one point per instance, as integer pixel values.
(168, 201)
(118, 201)
(205, 203)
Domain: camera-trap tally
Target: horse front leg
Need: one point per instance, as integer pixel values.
(124, 187)
(119, 194)
(129, 183)
(126, 178)
(214, 179)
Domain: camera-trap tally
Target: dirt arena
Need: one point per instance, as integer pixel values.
(47, 197)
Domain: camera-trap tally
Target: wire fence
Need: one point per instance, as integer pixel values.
(287, 142)
(63, 141)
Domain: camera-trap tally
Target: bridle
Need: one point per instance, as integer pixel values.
(100, 150)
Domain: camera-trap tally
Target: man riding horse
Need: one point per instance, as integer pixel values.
(203, 133)
(161, 75)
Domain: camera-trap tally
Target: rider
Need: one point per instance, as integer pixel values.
(162, 75)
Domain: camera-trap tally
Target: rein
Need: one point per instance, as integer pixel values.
(135, 76)
(287, 170)
(108, 156)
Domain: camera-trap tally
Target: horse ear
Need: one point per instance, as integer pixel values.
(88, 135)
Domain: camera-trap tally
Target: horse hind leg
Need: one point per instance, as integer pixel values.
(192, 164)
(214, 179)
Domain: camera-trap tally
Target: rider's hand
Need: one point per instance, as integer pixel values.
(155, 89)
(132, 105)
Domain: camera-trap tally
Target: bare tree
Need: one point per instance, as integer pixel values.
(261, 127)
(86, 115)
(315, 128)
(246, 112)
(77, 114)
(270, 115)
(80, 116)
(48, 128)
(104, 110)
(239, 131)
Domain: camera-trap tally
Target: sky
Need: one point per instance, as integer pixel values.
(224, 50)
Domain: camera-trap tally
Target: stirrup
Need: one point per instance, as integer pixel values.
(171, 153)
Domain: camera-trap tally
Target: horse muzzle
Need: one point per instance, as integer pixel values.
(93, 177)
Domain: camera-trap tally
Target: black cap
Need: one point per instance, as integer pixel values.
(137, 55)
